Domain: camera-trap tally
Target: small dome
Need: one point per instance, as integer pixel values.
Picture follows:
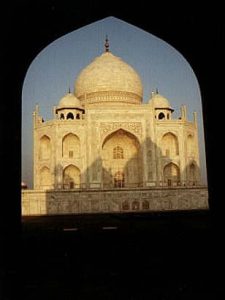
(69, 101)
(109, 74)
(159, 101)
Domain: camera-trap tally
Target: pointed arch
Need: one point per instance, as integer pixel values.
(171, 174)
(192, 174)
(190, 145)
(71, 146)
(45, 147)
(169, 145)
(121, 152)
(121, 133)
(71, 177)
(45, 178)
(70, 116)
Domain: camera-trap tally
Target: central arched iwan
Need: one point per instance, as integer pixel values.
(121, 154)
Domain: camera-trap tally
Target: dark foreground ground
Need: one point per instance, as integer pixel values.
(131, 256)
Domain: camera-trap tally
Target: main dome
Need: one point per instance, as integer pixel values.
(108, 79)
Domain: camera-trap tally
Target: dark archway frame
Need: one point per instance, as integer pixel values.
(28, 27)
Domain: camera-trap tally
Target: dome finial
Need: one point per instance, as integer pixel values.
(106, 44)
(157, 91)
(69, 90)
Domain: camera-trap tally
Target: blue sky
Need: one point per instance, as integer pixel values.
(56, 67)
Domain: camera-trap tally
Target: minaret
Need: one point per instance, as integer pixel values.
(106, 44)
(195, 119)
(183, 112)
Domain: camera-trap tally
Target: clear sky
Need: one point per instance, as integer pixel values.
(56, 67)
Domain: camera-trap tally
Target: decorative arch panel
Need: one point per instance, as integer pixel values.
(71, 146)
(45, 147)
(169, 145)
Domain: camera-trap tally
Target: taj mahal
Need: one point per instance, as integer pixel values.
(104, 150)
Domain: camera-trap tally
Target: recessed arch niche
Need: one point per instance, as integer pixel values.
(121, 160)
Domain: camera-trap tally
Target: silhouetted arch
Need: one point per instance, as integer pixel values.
(45, 147)
(161, 116)
(45, 178)
(71, 177)
(171, 174)
(70, 116)
(169, 145)
(71, 146)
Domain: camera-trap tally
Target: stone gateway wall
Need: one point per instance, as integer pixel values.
(55, 202)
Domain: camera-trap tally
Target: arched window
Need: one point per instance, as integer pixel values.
(70, 116)
(78, 116)
(119, 179)
(62, 117)
(118, 153)
(161, 116)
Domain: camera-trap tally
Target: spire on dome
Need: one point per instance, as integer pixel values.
(106, 44)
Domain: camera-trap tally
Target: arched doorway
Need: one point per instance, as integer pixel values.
(171, 174)
(121, 160)
(71, 177)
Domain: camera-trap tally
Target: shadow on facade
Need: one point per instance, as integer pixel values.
(124, 166)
